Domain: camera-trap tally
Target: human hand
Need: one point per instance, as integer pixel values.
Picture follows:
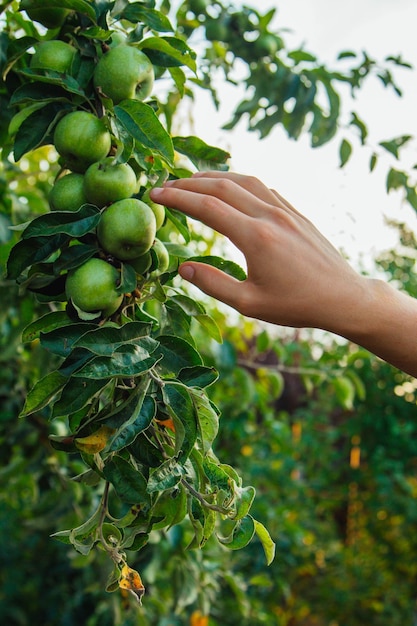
(295, 277)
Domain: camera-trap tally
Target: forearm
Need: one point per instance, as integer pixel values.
(385, 323)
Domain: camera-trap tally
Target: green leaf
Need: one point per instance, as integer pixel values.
(73, 256)
(46, 323)
(396, 179)
(106, 340)
(182, 410)
(394, 145)
(361, 126)
(171, 506)
(180, 222)
(140, 121)
(128, 280)
(37, 92)
(229, 267)
(198, 376)
(76, 394)
(176, 354)
(169, 52)
(132, 361)
(28, 252)
(207, 418)
(302, 55)
(35, 129)
(143, 410)
(345, 150)
(128, 482)
(167, 476)
(244, 499)
(71, 223)
(266, 541)
(179, 79)
(137, 12)
(43, 392)
(81, 6)
(200, 153)
(61, 341)
(373, 161)
(241, 535)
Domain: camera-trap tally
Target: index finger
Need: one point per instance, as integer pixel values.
(208, 209)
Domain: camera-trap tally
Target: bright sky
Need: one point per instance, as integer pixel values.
(347, 205)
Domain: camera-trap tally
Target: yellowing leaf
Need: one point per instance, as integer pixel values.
(132, 582)
(96, 442)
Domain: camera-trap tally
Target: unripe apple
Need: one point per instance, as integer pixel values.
(123, 73)
(142, 263)
(53, 55)
(162, 256)
(158, 209)
(67, 194)
(92, 287)
(106, 182)
(127, 229)
(81, 138)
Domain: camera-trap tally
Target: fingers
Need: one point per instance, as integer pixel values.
(252, 184)
(201, 205)
(213, 282)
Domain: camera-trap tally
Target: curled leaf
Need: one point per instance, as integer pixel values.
(132, 582)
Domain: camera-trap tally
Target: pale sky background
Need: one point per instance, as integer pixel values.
(347, 205)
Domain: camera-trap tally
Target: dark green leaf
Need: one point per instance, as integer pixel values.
(167, 476)
(81, 6)
(30, 251)
(182, 410)
(229, 267)
(394, 145)
(176, 354)
(37, 92)
(71, 223)
(361, 126)
(105, 340)
(140, 121)
(46, 323)
(242, 534)
(128, 279)
(201, 154)
(140, 419)
(43, 392)
(373, 161)
(301, 55)
(396, 179)
(35, 129)
(137, 12)
(171, 506)
(127, 363)
(180, 222)
(128, 482)
(61, 341)
(345, 150)
(198, 376)
(169, 52)
(73, 256)
(144, 451)
(76, 394)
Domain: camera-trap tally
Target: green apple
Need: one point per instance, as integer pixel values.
(124, 72)
(53, 55)
(49, 17)
(142, 263)
(158, 209)
(198, 6)
(67, 194)
(127, 229)
(81, 138)
(162, 258)
(267, 44)
(106, 182)
(93, 287)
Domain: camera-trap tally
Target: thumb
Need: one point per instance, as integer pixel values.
(212, 281)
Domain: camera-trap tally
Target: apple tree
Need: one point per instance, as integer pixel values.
(125, 387)
(115, 371)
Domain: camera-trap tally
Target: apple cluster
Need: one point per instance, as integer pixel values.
(91, 174)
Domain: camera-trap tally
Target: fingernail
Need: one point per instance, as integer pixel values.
(187, 272)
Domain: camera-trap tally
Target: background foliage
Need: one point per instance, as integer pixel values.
(324, 431)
